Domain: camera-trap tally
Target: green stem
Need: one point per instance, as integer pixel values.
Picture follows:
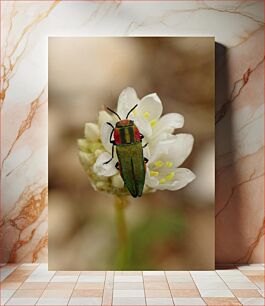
(121, 203)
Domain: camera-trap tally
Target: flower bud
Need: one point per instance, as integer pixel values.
(91, 131)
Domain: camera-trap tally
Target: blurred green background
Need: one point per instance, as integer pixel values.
(166, 230)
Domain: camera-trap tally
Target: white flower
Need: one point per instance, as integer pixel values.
(165, 151)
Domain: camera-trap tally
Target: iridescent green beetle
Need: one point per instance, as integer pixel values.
(129, 149)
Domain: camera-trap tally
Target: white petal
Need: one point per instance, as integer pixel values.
(182, 178)
(91, 131)
(167, 124)
(102, 169)
(176, 149)
(117, 181)
(143, 126)
(104, 117)
(181, 148)
(127, 100)
(105, 136)
(151, 181)
(150, 107)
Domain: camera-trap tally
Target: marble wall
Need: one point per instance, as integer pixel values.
(238, 28)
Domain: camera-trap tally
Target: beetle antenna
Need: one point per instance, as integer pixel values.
(131, 111)
(110, 125)
(113, 112)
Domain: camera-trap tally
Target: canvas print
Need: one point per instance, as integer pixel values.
(131, 153)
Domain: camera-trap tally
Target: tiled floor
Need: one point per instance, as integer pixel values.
(33, 284)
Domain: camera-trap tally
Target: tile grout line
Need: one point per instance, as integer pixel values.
(72, 290)
(102, 296)
(169, 288)
(144, 288)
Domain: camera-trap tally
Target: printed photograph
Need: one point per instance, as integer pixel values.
(131, 153)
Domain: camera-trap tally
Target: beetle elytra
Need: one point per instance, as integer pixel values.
(131, 161)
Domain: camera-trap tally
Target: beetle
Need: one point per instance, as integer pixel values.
(131, 161)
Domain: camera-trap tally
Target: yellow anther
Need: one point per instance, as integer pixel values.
(159, 163)
(154, 173)
(162, 181)
(170, 176)
(153, 123)
(169, 164)
(146, 115)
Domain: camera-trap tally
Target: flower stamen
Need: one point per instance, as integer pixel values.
(169, 164)
(162, 181)
(154, 173)
(146, 115)
(159, 163)
(153, 123)
(170, 176)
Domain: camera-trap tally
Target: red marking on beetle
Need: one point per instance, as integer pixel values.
(117, 137)
(137, 135)
(124, 122)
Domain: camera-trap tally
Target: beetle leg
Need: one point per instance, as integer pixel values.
(142, 136)
(117, 166)
(145, 145)
(112, 154)
(146, 160)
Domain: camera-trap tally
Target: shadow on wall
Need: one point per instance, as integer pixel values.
(225, 145)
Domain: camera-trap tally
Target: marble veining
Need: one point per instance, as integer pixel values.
(25, 27)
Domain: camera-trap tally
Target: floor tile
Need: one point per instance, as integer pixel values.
(128, 301)
(128, 293)
(181, 293)
(261, 292)
(61, 286)
(107, 297)
(179, 279)
(188, 301)
(86, 286)
(56, 294)
(28, 293)
(177, 273)
(33, 286)
(64, 278)
(159, 301)
(132, 286)
(215, 301)
(182, 286)
(85, 301)
(53, 301)
(96, 273)
(128, 279)
(147, 273)
(149, 293)
(241, 285)
(156, 285)
(155, 278)
(128, 273)
(255, 278)
(251, 267)
(67, 273)
(7, 293)
(87, 293)
(203, 273)
(216, 293)
(246, 293)
(91, 278)
(253, 272)
(260, 285)
(211, 285)
(22, 301)
(232, 272)
(10, 285)
(235, 279)
(251, 301)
